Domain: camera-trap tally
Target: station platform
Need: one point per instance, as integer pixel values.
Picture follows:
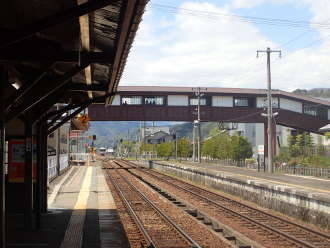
(305, 183)
(303, 197)
(82, 213)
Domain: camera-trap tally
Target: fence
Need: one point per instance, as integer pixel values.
(295, 170)
(304, 171)
(79, 157)
(52, 167)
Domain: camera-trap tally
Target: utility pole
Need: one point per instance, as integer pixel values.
(270, 107)
(194, 142)
(198, 93)
(176, 146)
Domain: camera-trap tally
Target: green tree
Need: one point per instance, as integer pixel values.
(224, 147)
(209, 148)
(240, 148)
(165, 149)
(184, 148)
(214, 132)
(327, 135)
(146, 148)
(309, 142)
(293, 148)
(217, 146)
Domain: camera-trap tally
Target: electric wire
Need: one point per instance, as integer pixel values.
(240, 18)
(250, 19)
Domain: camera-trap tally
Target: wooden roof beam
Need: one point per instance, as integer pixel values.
(29, 30)
(37, 94)
(127, 19)
(86, 87)
(64, 56)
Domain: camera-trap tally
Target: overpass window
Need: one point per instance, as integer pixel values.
(314, 110)
(131, 100)
(194, 101)
(154, 100)
(322, 113)
(310, 110)
(241, 102)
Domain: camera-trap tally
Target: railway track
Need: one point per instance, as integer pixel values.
(267, 229)
(158, 230)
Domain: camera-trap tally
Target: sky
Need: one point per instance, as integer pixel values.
(213, 43)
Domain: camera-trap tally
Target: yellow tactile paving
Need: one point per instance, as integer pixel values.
(85, 190)
(74, 232)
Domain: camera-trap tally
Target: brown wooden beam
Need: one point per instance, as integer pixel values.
(127, 17)
(86, 87)
(14, 98)
(81, 107)
(46, 104)
(63, 56)
(67, 118)
(36, 94)
(40, 25)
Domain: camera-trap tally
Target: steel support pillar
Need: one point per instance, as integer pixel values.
(3, 83)
(41, 152)
(44, 171)
(28, 171)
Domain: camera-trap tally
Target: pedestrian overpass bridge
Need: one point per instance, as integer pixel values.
(153, 103)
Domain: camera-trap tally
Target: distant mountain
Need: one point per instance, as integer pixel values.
(317, 92)
(186, 129)
(108, 133)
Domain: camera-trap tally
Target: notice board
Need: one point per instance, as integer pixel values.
(16, 160)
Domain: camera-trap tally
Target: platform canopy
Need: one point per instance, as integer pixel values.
(63, 51)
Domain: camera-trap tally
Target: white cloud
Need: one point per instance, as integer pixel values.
(236, 4)
(195, 51)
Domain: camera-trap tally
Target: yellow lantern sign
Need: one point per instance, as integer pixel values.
(84, 119)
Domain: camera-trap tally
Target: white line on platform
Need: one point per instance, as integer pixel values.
(308, 177)
(57, 188)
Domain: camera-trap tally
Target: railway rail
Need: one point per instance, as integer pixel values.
(265, 228)
(158, 230)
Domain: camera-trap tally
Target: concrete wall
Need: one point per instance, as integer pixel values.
(313, 208)
(222, 101)
(180, 100)
(291, 105)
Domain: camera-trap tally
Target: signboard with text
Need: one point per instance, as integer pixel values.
(16, 160)
(261, 149)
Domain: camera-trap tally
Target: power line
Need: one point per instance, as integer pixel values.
(250, 19)
(240, 18)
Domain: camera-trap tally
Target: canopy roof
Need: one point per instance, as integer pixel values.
(64, 51)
